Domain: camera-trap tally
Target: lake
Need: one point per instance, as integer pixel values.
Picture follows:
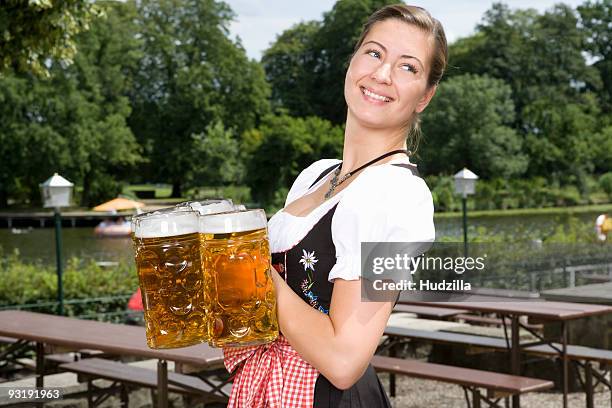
(39, 243)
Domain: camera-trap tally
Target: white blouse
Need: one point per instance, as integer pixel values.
(384, 203)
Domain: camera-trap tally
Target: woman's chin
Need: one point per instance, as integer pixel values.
(372, 119)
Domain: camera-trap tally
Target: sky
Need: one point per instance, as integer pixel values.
(259, 22)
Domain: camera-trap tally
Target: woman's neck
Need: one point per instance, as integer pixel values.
(362, 144)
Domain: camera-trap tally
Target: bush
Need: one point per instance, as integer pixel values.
(34, 283)
(605, 182)
(443, 193)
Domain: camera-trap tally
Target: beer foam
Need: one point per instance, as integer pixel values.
(237, 221)
(159, 224)
(213, 208)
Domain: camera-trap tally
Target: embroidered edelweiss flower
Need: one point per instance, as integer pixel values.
(304, 285)
(308, 259)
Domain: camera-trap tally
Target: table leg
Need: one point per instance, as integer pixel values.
(392, 353)
(515, 356)
(162, 384)
(588, 384)
(476, 398)
(565, 371)
(40, 368)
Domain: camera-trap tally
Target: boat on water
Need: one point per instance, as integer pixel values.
(108, 228)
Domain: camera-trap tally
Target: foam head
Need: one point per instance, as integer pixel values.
(167, 222)
(236, 221)
(203, 203)
(209, 206)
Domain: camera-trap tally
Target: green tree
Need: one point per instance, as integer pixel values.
(217, 157)
(103, 148)
(32, 31)
(282, 147)
(562, 138)
(596, 20)
(74, 123)
(288, 63)
(606, 184)
(468, 124)
(191, 75)
(534, 53)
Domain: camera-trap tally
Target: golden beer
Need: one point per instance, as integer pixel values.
(168, 260)
(236, 264)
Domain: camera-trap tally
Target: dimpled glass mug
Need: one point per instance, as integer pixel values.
(236, 263)
(168, 261)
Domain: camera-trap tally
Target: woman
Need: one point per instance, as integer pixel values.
(328, 334)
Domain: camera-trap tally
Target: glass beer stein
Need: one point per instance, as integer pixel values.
(236, 264)
(168, 260)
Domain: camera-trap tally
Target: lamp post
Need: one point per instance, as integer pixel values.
(465, 184)
(56, 193)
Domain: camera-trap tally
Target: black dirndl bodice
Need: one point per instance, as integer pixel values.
(306, 267)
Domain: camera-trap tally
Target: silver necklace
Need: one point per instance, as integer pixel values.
(334, 183)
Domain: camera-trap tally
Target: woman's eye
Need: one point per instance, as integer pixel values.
(409, 68)
(373, 53)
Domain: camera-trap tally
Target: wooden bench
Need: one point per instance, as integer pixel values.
(494, 343)
(497, 386)
(491, 321)
(125, 377)
(583, 356)
(7, 340)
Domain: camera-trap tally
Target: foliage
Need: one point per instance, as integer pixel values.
(595, 17)
(558, 96)
(287, 64)
(282, 147)
(501, 193)
(534, 53)
(159, 86)
(606, 184)
(468, 125)
(33, 31)
(191, 75)
(217, 158)
(74, 123)
(32, 283)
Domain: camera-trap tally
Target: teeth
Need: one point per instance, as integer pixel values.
(375, 96)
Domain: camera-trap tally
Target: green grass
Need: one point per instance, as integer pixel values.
(161, 190)
(602, 208)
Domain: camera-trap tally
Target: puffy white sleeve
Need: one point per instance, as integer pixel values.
(385, 204)
(305, 179)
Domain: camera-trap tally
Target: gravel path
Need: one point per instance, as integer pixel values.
(412, 393)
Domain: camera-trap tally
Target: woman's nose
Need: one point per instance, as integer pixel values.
(382, 74)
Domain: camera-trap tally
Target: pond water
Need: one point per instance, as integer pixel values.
(39, 243)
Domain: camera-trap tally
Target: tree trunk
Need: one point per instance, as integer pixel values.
(86, 189)
(177, 191)
(3, 198)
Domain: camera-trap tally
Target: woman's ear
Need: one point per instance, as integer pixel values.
(429, 93)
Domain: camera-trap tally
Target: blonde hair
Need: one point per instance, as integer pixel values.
(419, 17)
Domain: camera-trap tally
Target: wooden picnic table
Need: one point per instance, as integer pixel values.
(118, 339)
(561, 312)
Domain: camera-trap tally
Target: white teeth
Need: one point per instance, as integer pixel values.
(375, 96)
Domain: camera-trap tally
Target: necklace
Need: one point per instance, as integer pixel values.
(335, 182)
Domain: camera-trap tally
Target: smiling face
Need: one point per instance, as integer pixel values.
(386, 82)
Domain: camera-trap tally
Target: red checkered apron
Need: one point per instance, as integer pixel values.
(272, 375)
